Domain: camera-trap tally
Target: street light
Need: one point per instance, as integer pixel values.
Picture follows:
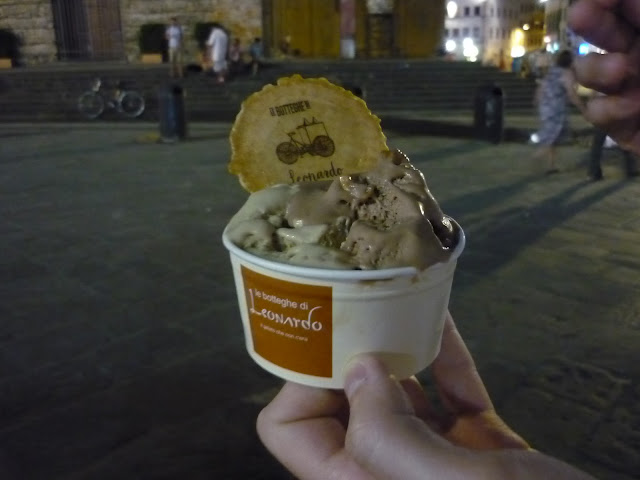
(517, 51)
(469, 50)
(517, 43)
(452, 9)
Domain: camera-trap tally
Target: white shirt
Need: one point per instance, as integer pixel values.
(218, 42)
(174, 35)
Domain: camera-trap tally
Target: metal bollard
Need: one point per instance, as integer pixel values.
(488, 113)
(173, 125)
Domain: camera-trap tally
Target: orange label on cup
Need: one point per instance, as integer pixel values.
(291, 323)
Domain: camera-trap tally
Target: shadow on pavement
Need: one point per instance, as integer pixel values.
(71, 151)
(485, 198)
(499, 239)
(31, 132)
(419, 126)
(444, 152)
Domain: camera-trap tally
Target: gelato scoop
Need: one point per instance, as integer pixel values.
(383, 218)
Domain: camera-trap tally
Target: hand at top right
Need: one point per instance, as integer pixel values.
(614, 26)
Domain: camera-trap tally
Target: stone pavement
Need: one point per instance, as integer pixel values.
(121, 350)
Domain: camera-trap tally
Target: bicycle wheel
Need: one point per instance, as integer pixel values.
(91, 104)
(287, 153)
(323, 145)
(132, 104)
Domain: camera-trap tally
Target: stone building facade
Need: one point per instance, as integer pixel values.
(32, 22)
(492, 27)
(243, 19)
(107, 30)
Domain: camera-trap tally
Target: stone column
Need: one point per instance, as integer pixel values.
(347, 28)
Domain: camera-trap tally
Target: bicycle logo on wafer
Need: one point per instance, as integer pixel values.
(309, 137)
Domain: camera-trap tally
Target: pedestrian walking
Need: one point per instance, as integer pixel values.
(552, 96)
(174, 35)
(217, 44)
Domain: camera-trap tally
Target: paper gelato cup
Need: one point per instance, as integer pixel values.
(305, 324)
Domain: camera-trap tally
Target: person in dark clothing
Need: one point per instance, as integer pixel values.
(595, 157)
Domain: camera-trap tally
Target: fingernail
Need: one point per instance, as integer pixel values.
(355, 375)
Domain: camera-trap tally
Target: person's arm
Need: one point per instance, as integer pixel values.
(571, 86)
(614, 26)
(381, 428)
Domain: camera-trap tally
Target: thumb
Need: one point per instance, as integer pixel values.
(384, 435)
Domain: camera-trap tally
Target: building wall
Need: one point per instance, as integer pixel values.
(503, 16)
(497, 21)
(418, 27)
(242, 18)
(32, 22)
(556, 23)
(468, 22)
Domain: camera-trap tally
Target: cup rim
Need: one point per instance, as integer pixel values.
(340, 275)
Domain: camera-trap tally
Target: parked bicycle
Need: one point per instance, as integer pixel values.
(93, 103)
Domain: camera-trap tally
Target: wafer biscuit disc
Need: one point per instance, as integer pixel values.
(303, 129)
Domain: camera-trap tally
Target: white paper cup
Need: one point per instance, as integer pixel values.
(305, 324)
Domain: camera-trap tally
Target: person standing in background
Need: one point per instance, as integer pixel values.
(235, 58)
(217, 44)
(256, 54)
(174, 35)
(630, 165)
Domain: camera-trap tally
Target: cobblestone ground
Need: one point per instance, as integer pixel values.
(121, 350)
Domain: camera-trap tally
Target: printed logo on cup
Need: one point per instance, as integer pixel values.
(291, 323)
